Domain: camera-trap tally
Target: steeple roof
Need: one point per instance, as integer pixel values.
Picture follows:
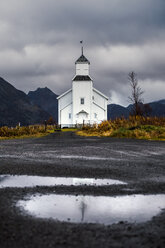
(82, 78)
(82, 59)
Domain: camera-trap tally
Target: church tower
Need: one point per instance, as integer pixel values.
(82, 86)
(82, 65)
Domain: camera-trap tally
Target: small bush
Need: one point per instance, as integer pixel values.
(23, 131)
(104, 126)
(134, 127)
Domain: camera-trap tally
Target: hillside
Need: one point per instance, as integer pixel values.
(156, 108)
(115, 111)
(16, 107)
(46, 99)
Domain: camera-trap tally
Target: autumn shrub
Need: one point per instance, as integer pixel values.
(136, 121)
(104, 126)
(86, 127)
(89, 128)
(23, 131)
(134, 127)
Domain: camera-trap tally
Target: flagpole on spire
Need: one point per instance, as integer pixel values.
(81, 42)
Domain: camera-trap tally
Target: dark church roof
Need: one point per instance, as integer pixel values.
(82, 59)
(82, 78)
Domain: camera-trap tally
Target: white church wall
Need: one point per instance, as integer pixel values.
(98, 113)
(99, 99)
(66, 116)
(66, 99)
(99, 105)
(65, 103)
(82, 89)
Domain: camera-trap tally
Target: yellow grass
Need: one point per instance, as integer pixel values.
(32, 131)
(138, 127)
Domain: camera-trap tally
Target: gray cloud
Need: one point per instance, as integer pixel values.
(39, 43)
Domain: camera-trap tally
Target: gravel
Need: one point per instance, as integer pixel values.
(140, 163)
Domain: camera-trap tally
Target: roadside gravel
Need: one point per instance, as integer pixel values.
(139, 163)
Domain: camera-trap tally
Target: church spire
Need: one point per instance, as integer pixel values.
(82, 58)
(81, 42)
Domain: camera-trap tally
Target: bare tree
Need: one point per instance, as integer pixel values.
(136, 94)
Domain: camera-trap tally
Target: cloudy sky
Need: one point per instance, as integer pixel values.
(40, 41)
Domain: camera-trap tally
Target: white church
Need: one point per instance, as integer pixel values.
(82, 104)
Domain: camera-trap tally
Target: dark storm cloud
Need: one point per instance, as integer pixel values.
(39, 42)
(108, 21)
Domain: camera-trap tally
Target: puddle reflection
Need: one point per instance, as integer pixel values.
(32, 181)
(91, 209)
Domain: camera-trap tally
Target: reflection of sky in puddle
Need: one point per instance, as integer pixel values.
(91, 209)
(32, 181)
(86, 157)
(51, 155)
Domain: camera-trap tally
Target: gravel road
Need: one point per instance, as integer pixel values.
(140, 163)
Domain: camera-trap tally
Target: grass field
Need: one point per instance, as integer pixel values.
(25, 131)
(150, 128)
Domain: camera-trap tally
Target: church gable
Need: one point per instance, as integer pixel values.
(65, 108)
(99, 99)
(65, 99)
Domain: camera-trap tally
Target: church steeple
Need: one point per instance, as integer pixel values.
(82, 58)
(82, 64)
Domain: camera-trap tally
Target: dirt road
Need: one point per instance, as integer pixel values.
(139, 163)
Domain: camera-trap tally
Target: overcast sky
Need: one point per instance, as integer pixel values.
(40, 41)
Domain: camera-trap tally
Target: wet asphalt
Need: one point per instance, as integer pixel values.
(140, 163)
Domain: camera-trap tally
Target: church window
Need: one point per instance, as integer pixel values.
(82, 100)
(69, 115)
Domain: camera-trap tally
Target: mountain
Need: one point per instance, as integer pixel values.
(156, 108)
(161, 101)
(115, 111)
(46, 99)
(16, 107)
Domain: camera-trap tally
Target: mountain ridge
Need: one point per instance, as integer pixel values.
(46, 99)
(16, 107)
(156, 108)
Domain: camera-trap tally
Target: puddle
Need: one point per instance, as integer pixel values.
(32, 181)
(86, 157)
(50, 155)
(91, 209)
